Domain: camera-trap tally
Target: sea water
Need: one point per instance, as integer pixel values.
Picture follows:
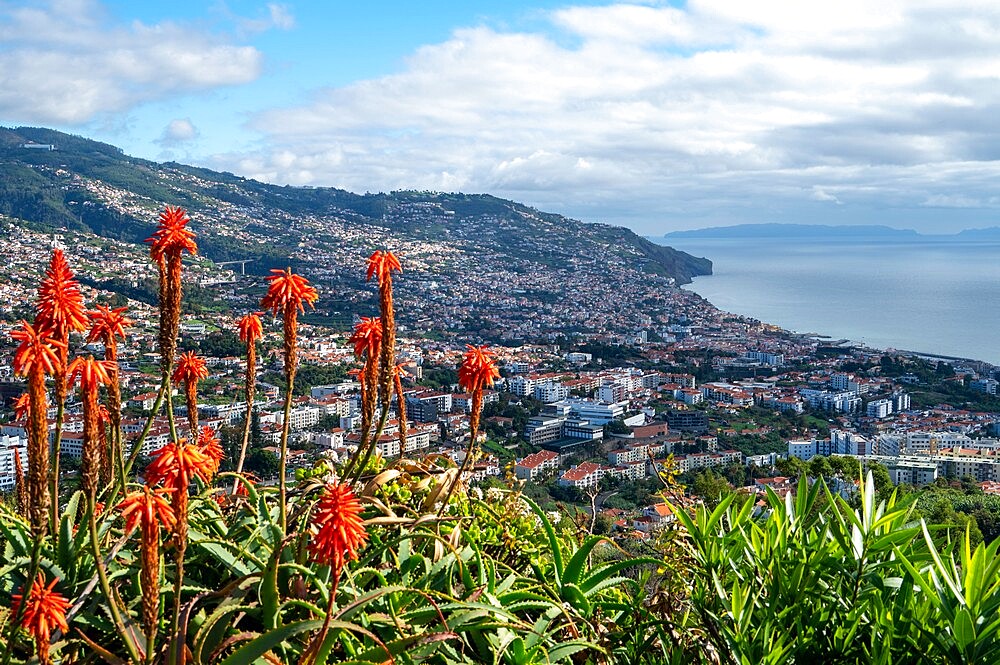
(929, 296)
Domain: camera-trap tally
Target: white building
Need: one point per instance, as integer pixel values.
(595, 412)
(8, 446)
(879, 408)
(583, 476)
(536, 464)
(773, 359)
(550, 391)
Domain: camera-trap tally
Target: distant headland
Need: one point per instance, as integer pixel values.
(815, 231)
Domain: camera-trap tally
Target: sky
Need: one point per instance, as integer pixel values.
(658, 116)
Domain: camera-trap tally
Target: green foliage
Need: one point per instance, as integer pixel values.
(711, 487)
(811, 579)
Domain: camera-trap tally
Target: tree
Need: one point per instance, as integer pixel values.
(880, 476)
(264, 463)
(820, 467)
(848, 468)
(791, 466)
(616, 426)
(711, 487)
(943, 513)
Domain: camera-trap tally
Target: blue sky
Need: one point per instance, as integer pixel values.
(653, 115)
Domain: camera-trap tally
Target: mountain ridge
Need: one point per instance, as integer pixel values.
(474, 263)
(25, 194)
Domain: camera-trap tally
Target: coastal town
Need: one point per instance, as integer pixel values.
(667, 387)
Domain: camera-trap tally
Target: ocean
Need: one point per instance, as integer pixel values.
(927, 295)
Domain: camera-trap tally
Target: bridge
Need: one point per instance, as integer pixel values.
(242, 263)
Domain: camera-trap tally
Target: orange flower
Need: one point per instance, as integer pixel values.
(287, 295)
(106, 325)
(210, 446)
(172, 235)
(60, 305)
(175, 465)
(288, 290)
(190, 370)
(148, 508)
(37, 355)
(39, 347)
(169, 240)
(21, 406)
(367, 337)
(381, 264)
(340, 533)
(241, 487)
(478, 369)
(91, 374)
(43, 612)
(250, 327)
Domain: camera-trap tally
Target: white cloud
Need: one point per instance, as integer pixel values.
(67, 62)
(178, 131)
(718, 108)
(275, 15)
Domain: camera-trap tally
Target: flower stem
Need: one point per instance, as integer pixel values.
(54, 464)
(285, 429)
(105, 585)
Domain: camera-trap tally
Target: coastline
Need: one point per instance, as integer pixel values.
(919, 300)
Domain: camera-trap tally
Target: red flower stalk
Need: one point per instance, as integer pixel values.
(250, 330)
(91, 374)
(171, 238)
(477, 371)
(22, 405)
(241, 488)
(367, 341)
(60, 308)
(381, 265)
(103, 420)
(190, 370)
(250, 327)
(106, 326)
(150, 510)
(60, 305)
(287, 294)
(44, 611)
(338, 529)
(36, 356)
(211, 447)
(367, 337)
(175, 465)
